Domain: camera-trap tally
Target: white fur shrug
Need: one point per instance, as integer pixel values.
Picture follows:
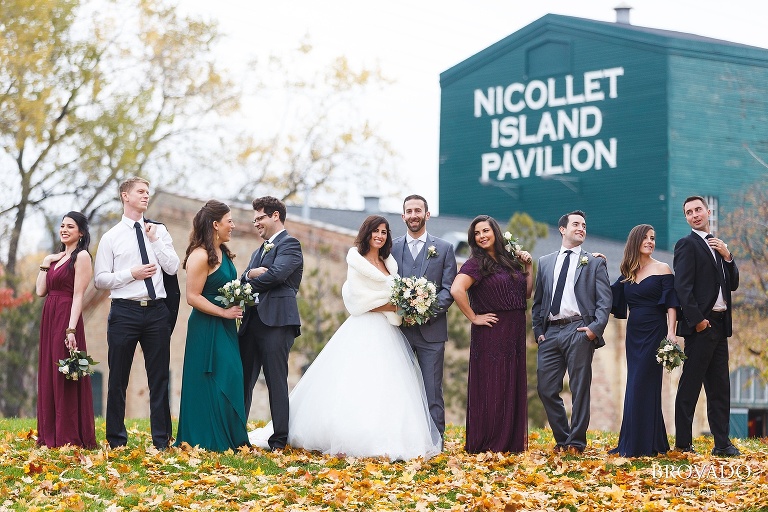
(366, 287)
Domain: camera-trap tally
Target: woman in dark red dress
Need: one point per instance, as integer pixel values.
(491, 290)
(64, 407)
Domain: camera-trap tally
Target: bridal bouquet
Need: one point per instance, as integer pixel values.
(670, 355)
(77, 365)
(235, 293)
(415, 298)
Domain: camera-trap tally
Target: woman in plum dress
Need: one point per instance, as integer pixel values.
(646, 286)
(491, 290)
(64, 407)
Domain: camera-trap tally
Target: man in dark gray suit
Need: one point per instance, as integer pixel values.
(269, 328)
(421, 254)
(571, 304)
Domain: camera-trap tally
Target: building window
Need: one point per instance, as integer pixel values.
(748, 386)
(713, 207)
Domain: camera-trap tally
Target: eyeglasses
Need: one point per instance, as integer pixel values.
(260, 218)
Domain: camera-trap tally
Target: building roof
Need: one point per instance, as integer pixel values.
(652, 39)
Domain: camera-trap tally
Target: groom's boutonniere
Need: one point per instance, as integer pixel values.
(268, 246)
(431, 251)
(583, 261)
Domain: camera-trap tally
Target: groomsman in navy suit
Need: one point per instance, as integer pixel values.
(270, 328)
(705, 276)
(420, 254)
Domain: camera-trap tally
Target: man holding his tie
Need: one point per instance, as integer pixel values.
(128, 262)
(705, 276)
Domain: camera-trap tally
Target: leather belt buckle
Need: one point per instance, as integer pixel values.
(143, 303)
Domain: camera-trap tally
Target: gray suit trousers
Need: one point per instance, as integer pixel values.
(565, 348)
(430, 355)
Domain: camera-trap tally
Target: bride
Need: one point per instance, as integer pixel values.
(363, 396)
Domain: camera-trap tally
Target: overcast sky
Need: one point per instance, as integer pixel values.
(413, 41)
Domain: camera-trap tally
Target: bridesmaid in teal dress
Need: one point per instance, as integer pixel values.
(212, 412)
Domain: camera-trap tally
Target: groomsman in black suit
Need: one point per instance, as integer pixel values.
(269, 328)
(705, 276)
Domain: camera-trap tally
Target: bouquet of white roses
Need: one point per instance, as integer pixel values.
(235, 293)
(512, 246)
(669, 354)
(415, 298)
(77, 365)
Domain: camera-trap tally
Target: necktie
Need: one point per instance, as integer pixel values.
(554, 310)
(144, 259)
(415, 248)
(720, 268)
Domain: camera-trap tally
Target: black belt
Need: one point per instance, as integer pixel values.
(718, 315)
(144, 303)
(563, 321)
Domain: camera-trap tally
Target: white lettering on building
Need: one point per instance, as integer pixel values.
(522, 143)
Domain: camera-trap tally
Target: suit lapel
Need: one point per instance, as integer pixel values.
(397, 252)
(704, 246)
(579, 266)
(425, 250)
(548, 280)
(276, 241)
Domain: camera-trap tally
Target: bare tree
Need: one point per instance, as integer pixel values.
(318, 138)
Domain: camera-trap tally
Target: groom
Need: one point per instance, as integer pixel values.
(270, 327)
(421, 254)
(570, 310)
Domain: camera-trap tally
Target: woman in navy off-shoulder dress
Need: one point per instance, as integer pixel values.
(491, 290)
(646, 286)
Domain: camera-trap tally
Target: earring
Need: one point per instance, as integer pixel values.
(217, 235)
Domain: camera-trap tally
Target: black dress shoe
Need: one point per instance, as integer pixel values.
(728, 451)
(687, 449)
(559, 448)
(276, 448)
(575, 450)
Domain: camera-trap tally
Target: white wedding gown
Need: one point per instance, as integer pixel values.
(363, 396)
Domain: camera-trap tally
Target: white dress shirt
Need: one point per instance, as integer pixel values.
(119, 251)
(421, 241)
(568, 306)
(720, 304)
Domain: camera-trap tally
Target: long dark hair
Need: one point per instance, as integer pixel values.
(363, 240)
(630, 263)
(487, 264)
(85, 236)
(202, 232)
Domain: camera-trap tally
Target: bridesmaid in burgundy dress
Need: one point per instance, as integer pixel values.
(491, 290)
(64, 407)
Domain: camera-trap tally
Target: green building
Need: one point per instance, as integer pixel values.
(620, 121)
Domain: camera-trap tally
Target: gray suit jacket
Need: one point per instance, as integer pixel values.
(278, 286)
(441, 270)
(592, 289)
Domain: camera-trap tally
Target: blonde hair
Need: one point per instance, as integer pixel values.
(127, 185)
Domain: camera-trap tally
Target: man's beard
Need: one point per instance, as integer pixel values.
(418, 226)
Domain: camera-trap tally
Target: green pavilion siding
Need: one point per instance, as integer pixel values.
(620, 121)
